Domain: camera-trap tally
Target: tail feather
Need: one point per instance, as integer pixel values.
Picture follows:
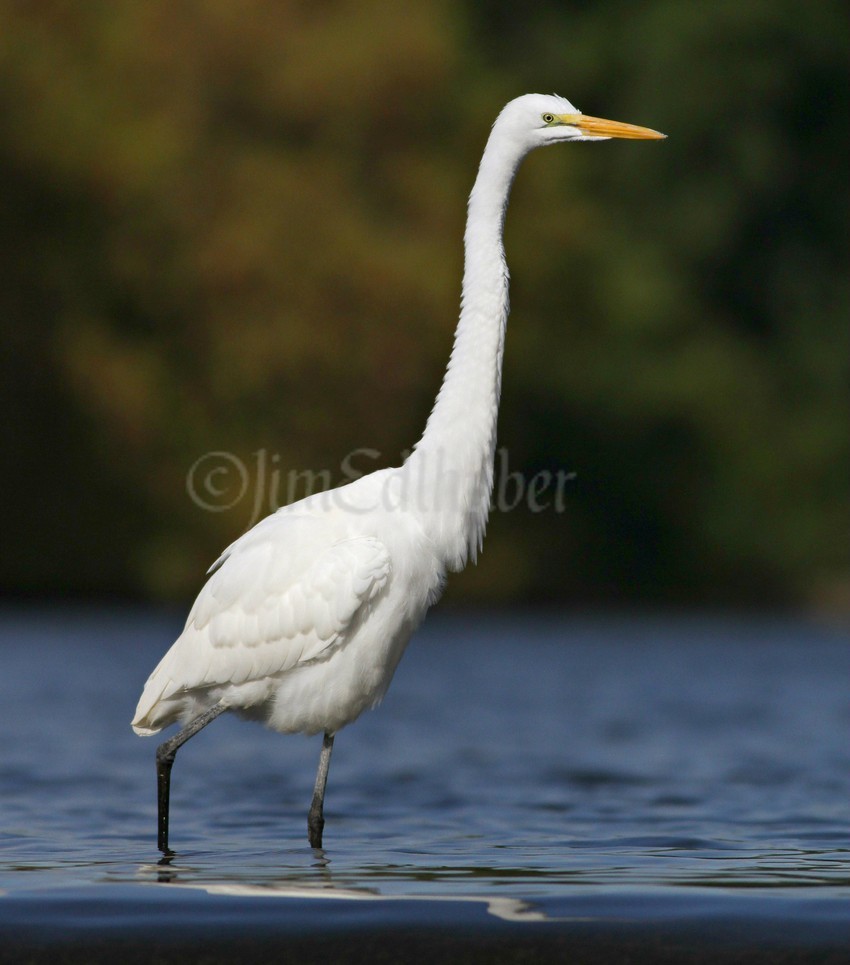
(146, 720)
(154, 710)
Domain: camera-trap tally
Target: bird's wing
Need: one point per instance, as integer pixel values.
(282, 595)
(255, 604)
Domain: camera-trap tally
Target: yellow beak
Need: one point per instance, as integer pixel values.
(599, 127)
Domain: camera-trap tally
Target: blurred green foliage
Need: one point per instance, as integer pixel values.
(236, 227)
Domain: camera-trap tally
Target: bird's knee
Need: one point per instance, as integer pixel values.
(165, 755)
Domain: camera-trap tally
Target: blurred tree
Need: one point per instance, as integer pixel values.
(701, 383)
(237, 228)
(240, 197)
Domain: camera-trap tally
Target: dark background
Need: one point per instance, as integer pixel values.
(236, 228)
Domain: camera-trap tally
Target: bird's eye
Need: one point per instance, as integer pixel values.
(548, 118)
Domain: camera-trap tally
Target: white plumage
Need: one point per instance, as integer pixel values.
(301, 624)
(266, 634)
(303, 619)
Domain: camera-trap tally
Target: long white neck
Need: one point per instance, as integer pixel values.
(449, 476)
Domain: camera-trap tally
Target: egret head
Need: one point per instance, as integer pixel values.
(535, 120)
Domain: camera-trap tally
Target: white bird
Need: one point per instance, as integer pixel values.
(305, 617)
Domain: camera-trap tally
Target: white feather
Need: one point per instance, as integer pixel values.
(285, 594)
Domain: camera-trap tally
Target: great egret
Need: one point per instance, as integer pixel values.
(305, 617)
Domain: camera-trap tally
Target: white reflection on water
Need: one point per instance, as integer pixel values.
(505, 908)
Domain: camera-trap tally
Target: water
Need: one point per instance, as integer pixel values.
(551, 783)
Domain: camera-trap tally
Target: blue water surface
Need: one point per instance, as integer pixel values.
(525, 770)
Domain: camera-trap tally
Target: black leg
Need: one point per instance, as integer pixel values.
(316, 817)
(165, 755)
